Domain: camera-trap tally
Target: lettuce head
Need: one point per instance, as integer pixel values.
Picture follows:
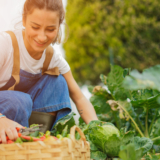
(110, 130)
(106, 137)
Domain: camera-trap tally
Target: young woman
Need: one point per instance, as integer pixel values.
(36, 89)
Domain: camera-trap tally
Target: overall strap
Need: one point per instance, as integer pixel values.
(52, 71)
(16, 60)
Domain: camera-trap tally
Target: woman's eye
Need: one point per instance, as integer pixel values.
(50, 30)
(35, 28)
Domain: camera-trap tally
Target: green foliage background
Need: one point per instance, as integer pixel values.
(122, 32)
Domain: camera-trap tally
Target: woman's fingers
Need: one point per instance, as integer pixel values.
(3, 137)
(17, 125)
(15, 133)
(8, 129)
(12, 134)
(9, 133)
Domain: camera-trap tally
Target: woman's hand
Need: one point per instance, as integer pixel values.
(8, 128)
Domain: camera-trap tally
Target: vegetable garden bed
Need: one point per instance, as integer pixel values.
(130, 102)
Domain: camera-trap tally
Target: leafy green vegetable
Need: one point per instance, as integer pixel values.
(142, 143)
(41, 134)
(34, 134)
(156, 132)
(148, 79)
(48, 133)
(98, 155)
(129, 153)
(65, 131)
(106, 137)
(136, 104)
(147, 103)
(68, 136)
(112, 89)
(59, 136)
(19, 140)
(110, 130)
(99, 100)
(151, 157)
(77, 136)
(136, 149)
(115, 83)
(61, 124)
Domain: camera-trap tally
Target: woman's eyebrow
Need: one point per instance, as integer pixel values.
(35, 23)
(47, 26)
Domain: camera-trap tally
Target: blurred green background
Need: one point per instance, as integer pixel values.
(104, 32)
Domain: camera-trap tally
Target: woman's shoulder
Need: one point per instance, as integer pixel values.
(58, 60)
(56, 54)
(6, 48)
(4, 36)
(5, 41)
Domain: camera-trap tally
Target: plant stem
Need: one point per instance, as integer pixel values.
(155, 138)
(146, 124)
(117, 122)
(131, 119)
(140, 123)
(153, 120)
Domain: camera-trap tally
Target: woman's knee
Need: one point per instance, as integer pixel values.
(61, 82)
(56, 83)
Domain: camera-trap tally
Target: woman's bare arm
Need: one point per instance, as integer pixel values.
(83, 105)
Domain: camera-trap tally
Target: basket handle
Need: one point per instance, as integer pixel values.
(72, 133)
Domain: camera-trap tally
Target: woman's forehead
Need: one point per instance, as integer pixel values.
(41, 16)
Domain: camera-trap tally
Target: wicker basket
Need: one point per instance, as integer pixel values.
(66, 149)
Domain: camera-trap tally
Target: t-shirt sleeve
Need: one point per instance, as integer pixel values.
(60, 62)
(5, 47)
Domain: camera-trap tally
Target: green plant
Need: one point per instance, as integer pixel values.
(134, 106)
(121, 32)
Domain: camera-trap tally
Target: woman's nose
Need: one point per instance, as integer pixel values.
(42, 37)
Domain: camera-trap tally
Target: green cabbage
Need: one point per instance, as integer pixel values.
(110, 130)
(106, 137)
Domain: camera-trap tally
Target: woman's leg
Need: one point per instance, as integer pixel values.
(50, 94)
(16, 106)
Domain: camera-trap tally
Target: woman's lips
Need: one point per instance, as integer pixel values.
(39, 44)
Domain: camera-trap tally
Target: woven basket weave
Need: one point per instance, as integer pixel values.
(66, 149)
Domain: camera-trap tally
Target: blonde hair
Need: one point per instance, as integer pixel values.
(52, 5)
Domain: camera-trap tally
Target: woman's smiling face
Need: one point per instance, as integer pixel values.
(41, 29)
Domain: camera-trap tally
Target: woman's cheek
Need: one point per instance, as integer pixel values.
(51, 39)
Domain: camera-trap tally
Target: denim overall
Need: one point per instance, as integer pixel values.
(35, 92)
